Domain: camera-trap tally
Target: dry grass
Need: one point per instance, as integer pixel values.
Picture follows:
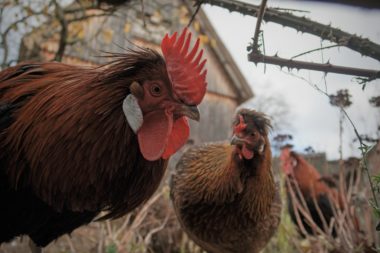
(154, 228)
(349, 221)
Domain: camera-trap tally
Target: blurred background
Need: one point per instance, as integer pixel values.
(308, 109)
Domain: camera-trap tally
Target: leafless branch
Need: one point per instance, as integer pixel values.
(85, 17)
(260, 16)
(143, 12)
(155, 230)
(4, 35)
(324, 67)
(64, 31)
(70, 243)
(302, 24)
(198, 5)
(140, 216)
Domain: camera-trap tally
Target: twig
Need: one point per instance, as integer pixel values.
(70, 243)
(289, 10)
(294, 206)
(140, 216)
(155, 230)
(143, 13)
(323, 60)
(110, 230)
(123, 226)
(364, 156)
(260, 16)
(316, 49)
(64, 30)
(4, 35)
(198, 4)
(319, 211)
(106, 14)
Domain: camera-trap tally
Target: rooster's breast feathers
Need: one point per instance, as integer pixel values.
(64, 133)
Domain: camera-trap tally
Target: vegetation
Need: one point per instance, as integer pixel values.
(153, 227)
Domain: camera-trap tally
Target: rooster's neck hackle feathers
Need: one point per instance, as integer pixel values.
(69, 133)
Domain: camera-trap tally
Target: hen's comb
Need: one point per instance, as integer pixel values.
(185, 68)
(241, 126)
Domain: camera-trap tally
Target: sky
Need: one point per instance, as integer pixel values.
(313, 121)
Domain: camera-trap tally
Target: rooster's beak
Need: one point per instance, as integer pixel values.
(191, 112)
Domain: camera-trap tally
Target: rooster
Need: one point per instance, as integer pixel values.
(314, 188)
(77, 141)
(224, 195)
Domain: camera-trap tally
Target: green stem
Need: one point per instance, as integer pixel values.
(364, 155)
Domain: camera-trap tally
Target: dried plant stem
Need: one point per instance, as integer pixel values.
(362, 145)
(364, 158)
(139, 218)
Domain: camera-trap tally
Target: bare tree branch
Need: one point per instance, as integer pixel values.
(195, 12)
(5, 33)
(361, 45)
(260, 16)
(324, 67)
(64, 31)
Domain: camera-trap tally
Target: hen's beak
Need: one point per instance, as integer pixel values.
(191, 112)
(236, 140)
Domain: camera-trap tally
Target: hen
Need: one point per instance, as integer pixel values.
(225, 195)
(312, 185)
(77, 141)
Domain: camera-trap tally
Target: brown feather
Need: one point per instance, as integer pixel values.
(70, 141)
(224, 203)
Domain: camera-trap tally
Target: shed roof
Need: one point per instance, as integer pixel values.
(241, 86)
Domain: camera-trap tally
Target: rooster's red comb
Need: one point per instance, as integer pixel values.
(241, 126)
(185, 68)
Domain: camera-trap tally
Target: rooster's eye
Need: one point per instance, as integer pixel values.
(155, 90)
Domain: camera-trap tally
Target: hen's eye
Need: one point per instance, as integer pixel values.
(253, 134)
(155, 90)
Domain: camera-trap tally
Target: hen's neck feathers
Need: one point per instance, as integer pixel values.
(260, 187)
(207, 174)
(213, 173)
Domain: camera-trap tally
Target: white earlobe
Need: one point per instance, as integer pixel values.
(132, 112)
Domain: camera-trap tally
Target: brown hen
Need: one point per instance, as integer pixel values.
(224, 194)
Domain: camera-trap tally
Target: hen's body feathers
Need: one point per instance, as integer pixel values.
(226, 204)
